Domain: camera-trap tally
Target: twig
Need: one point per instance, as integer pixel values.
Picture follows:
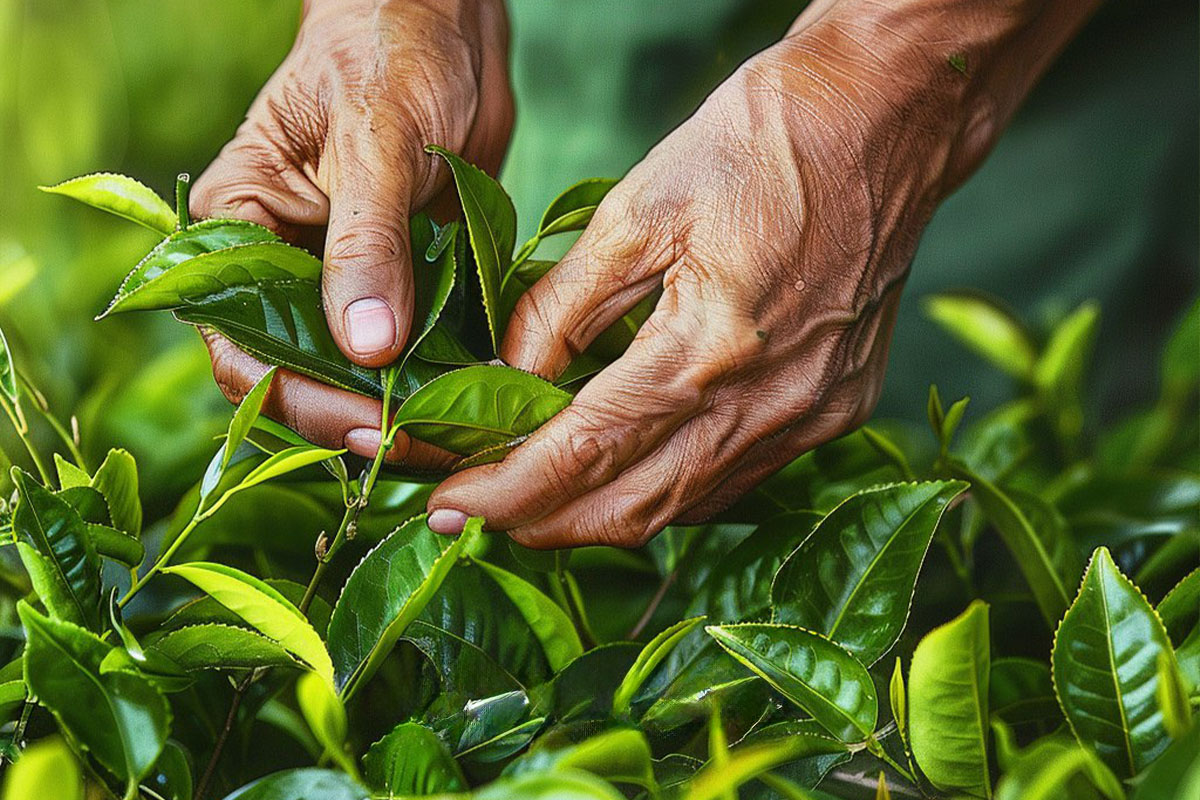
(234, 705)
(655, 601)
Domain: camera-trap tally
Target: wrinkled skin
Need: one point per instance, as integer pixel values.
(779, 220)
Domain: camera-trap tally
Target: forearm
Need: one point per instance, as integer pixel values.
(961, 67)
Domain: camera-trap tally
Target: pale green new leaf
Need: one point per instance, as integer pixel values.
(263, 608)
(984, 326)
(1105, 663)
(1056, 769)
(285, 461)
(326, 718)
(245, 416)
(117, 479)
(549, 623)
(122, 196)
(47, 768)
(816, 674)
(572, 210)
(719, 779)
(651, 656)
(619, 755)
(948, 703)
(8, 372)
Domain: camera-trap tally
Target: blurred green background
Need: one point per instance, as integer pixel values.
(1091, 194)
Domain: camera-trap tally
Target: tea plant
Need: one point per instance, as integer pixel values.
(781, 651)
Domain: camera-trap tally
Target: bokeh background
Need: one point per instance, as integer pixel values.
(1091, 194)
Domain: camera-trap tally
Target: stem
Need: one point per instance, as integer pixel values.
(219, 746)
(876, 749)
(653, 605)
(22, 429)
(196, 519)
(573, 609)
(44, 409)
(182, 185)
(19, 730)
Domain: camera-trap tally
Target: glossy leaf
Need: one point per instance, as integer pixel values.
(1172, 698)
(67, 576)
(564, 785)
(1175, 774)
(986, 327)
(1180, 609)
(47, 768)
(853, 578)
(492, 226)
(118, 716)
(948, 703)
(549, 623)
(572, 210)
(651, 656)
(898, 699)
(433, 278)
(245, 416)
(285, 461)
(473, 408)
(1105, 663)
(412, 761)
(219, 646)
(117, 480)
(263, 608)
(816, 674)
(1038, 553)
(309, 783)
(384, 593)
(326, 718)
(122, 196)
(117, 545)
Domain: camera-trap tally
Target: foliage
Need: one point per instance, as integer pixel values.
(890, 615)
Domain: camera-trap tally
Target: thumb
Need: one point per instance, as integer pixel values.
(367, 283)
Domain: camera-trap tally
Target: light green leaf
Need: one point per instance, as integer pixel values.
(69, 475)
(309, 783)
(1173, 698)
(119, 716)
(549, 623)
(1173, 775)
(117, 480)
(572, 210)
(122, 196)
(898, 697)
(46, 769)
(412, 761)
(620, 755)
(220, 646)
(563, 785)
(245, 416)
(476, 407)
(8, 373)
(651, 656)
(853, 578)
(948, 703)
(326, 718)
(1055, 768)
(1062, 361)
(492, 227)
(262, 607)
(1180, 609)
(12, 695)
(1181, 357)
(285, 461)
(385, 592)
(813, 672)
(986, 327)
(719, 779)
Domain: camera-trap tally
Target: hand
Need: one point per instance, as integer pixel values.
(780, 221)
(331, 157)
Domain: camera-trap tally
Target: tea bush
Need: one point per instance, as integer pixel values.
(781, 651)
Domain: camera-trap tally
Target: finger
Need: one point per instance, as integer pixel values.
(621, 415)
(615, 263)
(367, 283)
(322, 414)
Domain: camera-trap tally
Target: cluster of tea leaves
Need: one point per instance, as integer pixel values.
(1007, 606)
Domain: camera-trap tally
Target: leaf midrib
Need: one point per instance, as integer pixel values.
(1112, 671)
(52, 556)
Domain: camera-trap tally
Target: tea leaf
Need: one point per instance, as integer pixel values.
(245, 416)
(307, 782)
(572, 210)
(117, 715)
(470, 409)
(262, 607)
(285, 461)
(651, 656)
(69, 475)
(117, 545)
(1105, 662)
(948, 703)
(1022, 691)
(326, 717)
(386, 592)
(717, 780)
(1052, 768)
(433, 279)
(492, 227)
(1172, 698)
(219, 646)
(117, 480)
(67, 574)
(564, 785)
(8, 372)
(985, 326)
(1173, 775)
(412, 761)
(549, 623)
(898, 699)
(122, 196)
(853, 578)
(813, 672)
(46, 768)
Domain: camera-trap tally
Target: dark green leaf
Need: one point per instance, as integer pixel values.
(412, 761)
(122, 196)
(948, 703)
(813, 672)
(219, 646)
(853, 578)
(118, 716)
(385, 592)
(1106, 668)
(473, 408)
(548, 622)
(1180, 609)
(433, 279)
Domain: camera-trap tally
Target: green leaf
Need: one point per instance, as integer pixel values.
(309, 783)
(433, 279)
(285, 461)
(12, 694)
(262, 607)
(220, 646)
(384, 593)
(1052, 769)
(412, 761)
(1022, 691)
(8, 372)
(1172, 698)
(563, 785)
(117, 545)
(651, 656)
(46, 769)
(898, 699)
(172, 775)
(492, 227)
(473, 408)
(67, 576)
(986, 327)
(117, 480)
(1175, 774)
(326, 718)
(69, 475)
(1042, 555)
(119, 716)
(1061, 364)
(1181, 357)
(853, 578)
(620, 755)
(572, 210)
(549, 623)
(721, 779)
(948, 703)
(1180, 609)
(122, 196)
(245, 416)
(813, 672)
(1105, 662)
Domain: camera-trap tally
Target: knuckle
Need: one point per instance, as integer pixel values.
(369, 243)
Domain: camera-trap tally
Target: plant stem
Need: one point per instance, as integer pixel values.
(876, 749)
(22, 429)
(574, 611)
(652, 606)
(19, 730)
(182, 185)
(44, 409)
(219, 745)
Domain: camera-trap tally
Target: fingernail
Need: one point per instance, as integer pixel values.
(446, 520)
(370, 325)
(363, 441)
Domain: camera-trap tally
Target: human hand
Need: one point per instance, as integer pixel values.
(780, 221)
(331, 157)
